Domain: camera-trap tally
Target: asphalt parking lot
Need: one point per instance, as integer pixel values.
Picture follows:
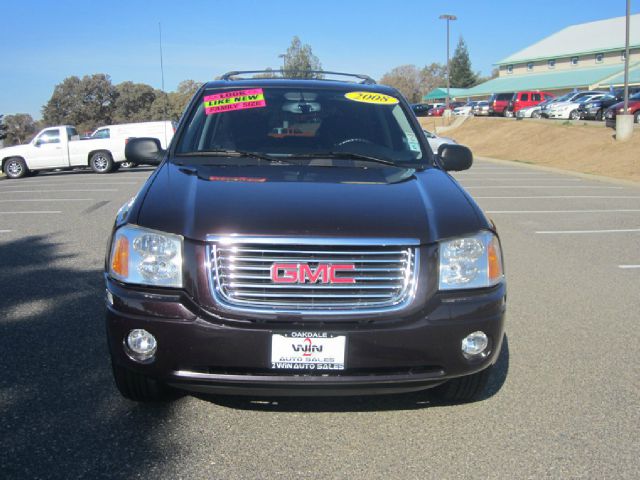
(563, 403)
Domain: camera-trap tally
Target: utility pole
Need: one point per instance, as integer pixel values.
(624, 121)
(448, 18)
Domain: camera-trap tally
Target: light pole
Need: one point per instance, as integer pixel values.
(624, 121)
(283, 56)
(448, 18)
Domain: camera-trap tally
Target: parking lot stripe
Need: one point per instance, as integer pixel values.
(6, 231)
(540, 186)
(47, 200)
(566, 196)
(48, 184)
(628, 266)
(566, 211)
(62, 190)
(34, 212)
(625, 230)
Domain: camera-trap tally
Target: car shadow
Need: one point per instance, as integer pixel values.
(362, 403)
(60, 414)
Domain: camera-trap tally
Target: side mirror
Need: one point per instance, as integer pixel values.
(37, 143)
(144, 151)
(455, 158)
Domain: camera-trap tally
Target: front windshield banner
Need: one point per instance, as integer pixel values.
(235, 100)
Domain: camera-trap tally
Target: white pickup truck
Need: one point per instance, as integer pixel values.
(59, 148)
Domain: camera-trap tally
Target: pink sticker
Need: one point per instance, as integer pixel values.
(235, 100)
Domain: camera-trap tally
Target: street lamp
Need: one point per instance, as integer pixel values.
(448, 18)
(624, 121)
(283, 56)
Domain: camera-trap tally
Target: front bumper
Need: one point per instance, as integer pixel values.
(201, 351)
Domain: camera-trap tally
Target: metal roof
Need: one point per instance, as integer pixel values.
(596, 77)
(618, 79)
(593, 37)
(441, 92)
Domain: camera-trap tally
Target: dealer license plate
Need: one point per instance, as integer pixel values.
(307, 351)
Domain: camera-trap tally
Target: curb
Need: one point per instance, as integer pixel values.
(588, 176)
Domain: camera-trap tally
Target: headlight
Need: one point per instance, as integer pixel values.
(146, 257)
(470, 262)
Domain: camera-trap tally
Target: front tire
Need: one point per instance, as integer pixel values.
(101, 162)
(463, 389)
(599, 115)
(574, 115)
(536, 115)
(138, 387)
(15, 168)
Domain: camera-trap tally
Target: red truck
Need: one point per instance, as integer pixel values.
(498, 103)
(527, 99)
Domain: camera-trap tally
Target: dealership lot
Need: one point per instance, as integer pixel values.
(567, 408)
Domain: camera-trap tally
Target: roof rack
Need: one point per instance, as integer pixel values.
(365, 79)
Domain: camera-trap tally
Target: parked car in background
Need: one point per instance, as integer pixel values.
(594, 110)
(162, 130)
(421, 109)
(61, 148)
(439, 111)
(567, 98)
(465, 110)
(527, 99)
(481, 108)
(435, 141)
(534, 111)
(618, 108)
(498, 103)
(569, 110)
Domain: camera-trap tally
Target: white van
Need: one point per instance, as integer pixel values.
(163, 131)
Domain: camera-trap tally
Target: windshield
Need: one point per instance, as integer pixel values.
(300, 122)
(635, 97)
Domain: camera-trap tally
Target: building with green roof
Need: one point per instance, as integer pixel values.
(584, 56)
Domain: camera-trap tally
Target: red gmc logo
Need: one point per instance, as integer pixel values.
(303, 273)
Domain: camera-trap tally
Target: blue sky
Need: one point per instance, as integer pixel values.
(43, 42)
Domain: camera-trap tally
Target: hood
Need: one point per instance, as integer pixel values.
(307, 201)
(10, 151)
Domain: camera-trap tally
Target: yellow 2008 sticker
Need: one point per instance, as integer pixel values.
(372, 97)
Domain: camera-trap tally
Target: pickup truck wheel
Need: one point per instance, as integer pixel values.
(138, 387)
(101, 162)
(463, 389)
(15, 168)
(128, 165)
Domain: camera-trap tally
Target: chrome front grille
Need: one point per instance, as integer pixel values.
(314, 273)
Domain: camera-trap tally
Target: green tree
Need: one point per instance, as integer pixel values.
(86, 103)
(414, 82)
(406, 79)
(169, 106)
(431, 77)
(299, 59)
(461, 75)
(3, 129)
(19, 129)
(133, 103)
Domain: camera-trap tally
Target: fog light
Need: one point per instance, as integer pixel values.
(140, 345)
(475, 345)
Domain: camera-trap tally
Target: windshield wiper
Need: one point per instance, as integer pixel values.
(233, 153)
(347, 156)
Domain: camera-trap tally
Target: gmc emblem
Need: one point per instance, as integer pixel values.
(303, 273)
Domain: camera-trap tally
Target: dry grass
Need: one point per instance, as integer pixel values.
(580, 148)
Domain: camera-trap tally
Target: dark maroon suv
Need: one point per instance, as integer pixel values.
(299, 237)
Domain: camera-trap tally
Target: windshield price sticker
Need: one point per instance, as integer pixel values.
(307, 351)
(372, 97)
(235, 100)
